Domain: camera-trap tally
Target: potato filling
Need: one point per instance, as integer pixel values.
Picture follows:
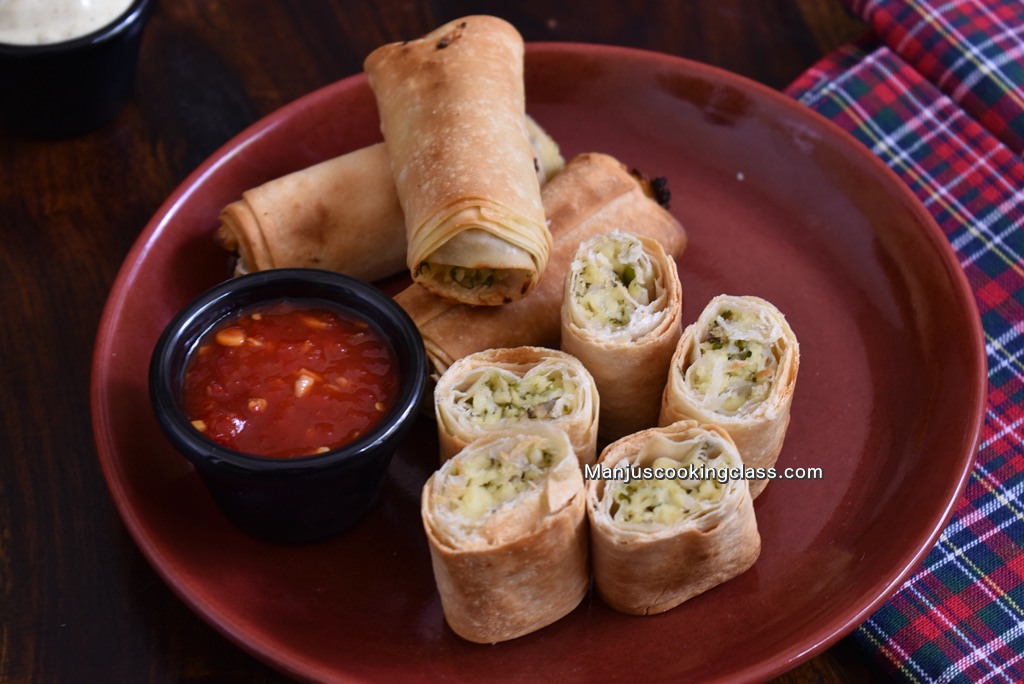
(469, 278)
(482, 482)
(664, 500)
(736, 362)
(500, 395)
(614, 282)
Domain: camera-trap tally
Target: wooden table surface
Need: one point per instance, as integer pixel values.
(78, 602)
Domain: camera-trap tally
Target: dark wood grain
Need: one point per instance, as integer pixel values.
(78, 603)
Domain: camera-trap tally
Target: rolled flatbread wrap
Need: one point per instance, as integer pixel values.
(502, 389)
(622, 317)
(665, 524)
(453, 114)
(506, 525)
(736, 367)
(592, 195)
(341, 214)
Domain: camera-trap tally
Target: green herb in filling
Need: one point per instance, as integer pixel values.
(502, 396)
(735, 367)
(667, 500)
(487, 481)
(613, 281)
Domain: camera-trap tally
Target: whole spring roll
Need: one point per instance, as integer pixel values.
(736, 367)
(453, 114)
(341, 214)
(667, 522)
(593, 194)
(506, 525)
(502, 389)
(622, 317)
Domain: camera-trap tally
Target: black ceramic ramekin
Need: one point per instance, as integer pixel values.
(290, 500)
(58, 90)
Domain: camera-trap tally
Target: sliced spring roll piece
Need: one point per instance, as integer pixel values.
(594, 194)
(665, 525)
(506, 525)
(622, 317)
(341, 214)
(453, 113)
(736, 367)
(500, 389)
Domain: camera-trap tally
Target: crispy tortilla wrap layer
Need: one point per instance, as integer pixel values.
(506, 525)
(453, 114)
(658, 541)
(736, 367)
(622, 317)
(500, 389)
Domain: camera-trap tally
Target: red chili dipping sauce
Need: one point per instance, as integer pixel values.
(290, 379)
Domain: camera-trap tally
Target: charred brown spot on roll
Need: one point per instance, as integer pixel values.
(662, 194)
(655, 188)
(451, 37)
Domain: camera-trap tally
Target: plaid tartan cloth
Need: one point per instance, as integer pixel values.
(936, 90)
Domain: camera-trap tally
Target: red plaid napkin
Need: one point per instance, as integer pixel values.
(937, 91)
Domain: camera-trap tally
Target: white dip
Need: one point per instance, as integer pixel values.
(38, 22)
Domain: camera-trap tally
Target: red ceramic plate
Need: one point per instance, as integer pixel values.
(778, 203)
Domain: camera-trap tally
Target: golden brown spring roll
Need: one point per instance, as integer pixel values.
(501, 389)
(622, 317)
(506, 524)
(736, 367)
(593, 194)
(341, 215)
(670, 517)
(453, 113)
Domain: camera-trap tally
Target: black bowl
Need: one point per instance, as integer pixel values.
(290, 500)
(58, 90)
